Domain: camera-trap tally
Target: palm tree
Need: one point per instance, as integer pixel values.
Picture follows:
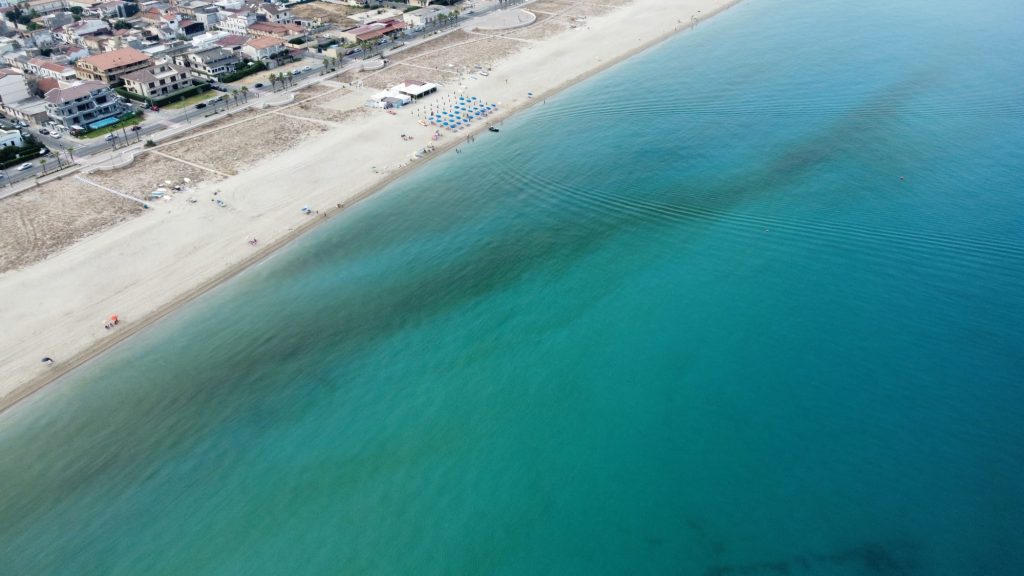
(273, 81)
(234, 95)
(245, 94)
(366, 47)
(42, 165)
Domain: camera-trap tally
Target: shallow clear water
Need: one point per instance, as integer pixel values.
(684, 318)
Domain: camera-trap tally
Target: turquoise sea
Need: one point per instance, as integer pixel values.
(751, 303)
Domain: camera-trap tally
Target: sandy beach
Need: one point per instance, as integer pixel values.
(250, 174)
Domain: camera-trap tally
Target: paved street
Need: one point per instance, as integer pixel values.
(84, 149)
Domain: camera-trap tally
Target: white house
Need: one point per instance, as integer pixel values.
(13, 87)
(263, 48)
(425, 16)
(236, 22)
(11, 138)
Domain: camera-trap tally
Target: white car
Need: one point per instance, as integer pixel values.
(306, 68)
(55, 135)
(24, 166)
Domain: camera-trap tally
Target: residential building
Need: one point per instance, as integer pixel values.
(116, 9)
(13, 87)
(32, 110)
(41, 38)
(76, 31)
(161, 51)
(46, 6)
(83, 4)
(158, 81)
(210, 63)
(275, 13)
(46, 68)
(109, 67)
(263, 49)
(236, 22)
(373, 31)
(269, 29)
(82, 104)
(209, 38)
(11, 138)
(232, 42)
(425, 16)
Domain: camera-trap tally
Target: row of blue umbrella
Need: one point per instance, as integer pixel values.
(461, 114)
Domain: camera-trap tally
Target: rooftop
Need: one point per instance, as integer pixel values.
(153, 74)
(116, 58)
(265, 42)
(58, 96)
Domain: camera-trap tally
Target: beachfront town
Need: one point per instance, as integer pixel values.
(84, 76)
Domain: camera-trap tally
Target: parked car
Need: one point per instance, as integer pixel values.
(24, 166)
(154, 108)
(306, 68)
(136, 128)
(56, 135)
(43, 151)
(259, 85)
(201, 105)
(44, 131)
(110, 137)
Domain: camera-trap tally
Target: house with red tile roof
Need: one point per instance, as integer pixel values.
(109, 67)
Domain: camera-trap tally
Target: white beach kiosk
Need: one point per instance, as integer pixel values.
(401, 94)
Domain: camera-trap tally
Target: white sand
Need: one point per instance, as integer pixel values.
(145, 267)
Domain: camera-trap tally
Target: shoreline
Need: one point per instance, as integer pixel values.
(95, 350)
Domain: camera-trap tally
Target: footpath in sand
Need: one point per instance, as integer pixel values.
(72, 252)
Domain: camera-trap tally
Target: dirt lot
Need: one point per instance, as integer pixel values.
(147, 171)
(456, 37)
(484, 51)
(575, 7)
(231, 148)
(549, 6)
(41, 221)
(321, 108)
(392, 75)
(333, 13)
(310, 91)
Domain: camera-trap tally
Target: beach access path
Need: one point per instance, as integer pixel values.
(145, 267)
